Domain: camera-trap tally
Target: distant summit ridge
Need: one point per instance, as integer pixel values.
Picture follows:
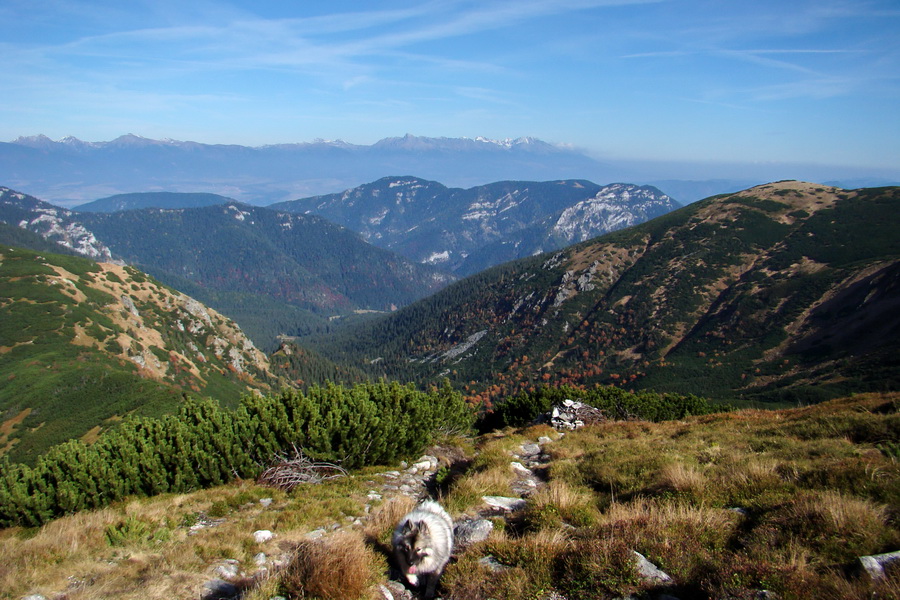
(466, 230)
(71, 171)
(408, 140)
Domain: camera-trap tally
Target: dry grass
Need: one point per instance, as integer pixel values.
(682, 479)
(381, 522)
(338, 568)
(561, 503)
(466, 493)
(530, 562)
(488, 475)
(818, 487)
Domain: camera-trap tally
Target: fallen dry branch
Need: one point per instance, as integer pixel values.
(290, 471)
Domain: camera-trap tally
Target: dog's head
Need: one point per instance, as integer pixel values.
(414, 543)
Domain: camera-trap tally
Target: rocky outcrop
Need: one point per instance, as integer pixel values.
(878, 565)
(571, 414)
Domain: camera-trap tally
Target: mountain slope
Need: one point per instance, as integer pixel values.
(83, 344)
(152, 200)
(472, 229)
(51, 222)
(272, 271)
(754, 294)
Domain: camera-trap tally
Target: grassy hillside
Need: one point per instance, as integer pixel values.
(787, 292)
(83, 344)
(729, 506)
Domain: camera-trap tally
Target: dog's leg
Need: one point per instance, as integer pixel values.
(430, 582)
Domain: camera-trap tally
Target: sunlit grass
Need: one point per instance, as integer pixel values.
(726, 504)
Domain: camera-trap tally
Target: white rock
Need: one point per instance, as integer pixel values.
(874, 565)
(472, 531)
(262, 536)
(504, 503)
(520, 468)
(228, 569)
(647, 570)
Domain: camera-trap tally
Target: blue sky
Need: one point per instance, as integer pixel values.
(730, 80)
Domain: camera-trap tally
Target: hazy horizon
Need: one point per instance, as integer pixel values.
(692, 82)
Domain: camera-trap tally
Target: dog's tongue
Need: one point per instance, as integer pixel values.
(412, 570)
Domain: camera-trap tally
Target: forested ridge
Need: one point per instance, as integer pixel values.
(745, 295)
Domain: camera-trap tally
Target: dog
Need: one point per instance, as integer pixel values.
(422, 543)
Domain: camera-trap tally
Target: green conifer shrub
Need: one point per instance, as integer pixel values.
(205, 445)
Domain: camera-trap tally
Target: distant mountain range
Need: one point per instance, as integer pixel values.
(787, 291)
(273, 271)
(137, 200)
(69, 171)
(467, 230)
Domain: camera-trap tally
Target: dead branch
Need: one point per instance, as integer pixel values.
(289, 471)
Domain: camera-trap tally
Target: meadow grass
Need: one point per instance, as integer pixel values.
(726, 504)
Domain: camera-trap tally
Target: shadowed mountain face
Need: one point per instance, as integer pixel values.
(274, 272)
(469, 230)
(785, 291)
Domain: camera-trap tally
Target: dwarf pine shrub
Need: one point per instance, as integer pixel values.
(205, 445)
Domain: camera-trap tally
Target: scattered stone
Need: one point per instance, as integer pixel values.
(394, 590)
(491, 564)
(650, 572)
(266, 502)
(420, 466)
(544, 440)
(204, 522)
(217, 589)
(385, 592)
(35, 597)
(741, 511)
(316, 533)
(260, 559)
(472, 531)
(373, 495)
(875, 565)
(520, 468)
(504, 503)
(263, 535)
(530, 449)
(228, 569)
